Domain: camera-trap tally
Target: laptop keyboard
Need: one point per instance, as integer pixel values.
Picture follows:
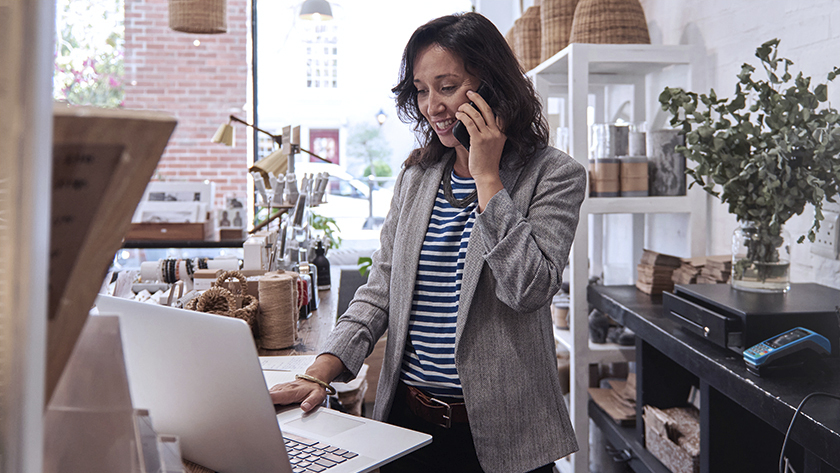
(310, 456)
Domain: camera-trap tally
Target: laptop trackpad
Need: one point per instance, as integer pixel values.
(323, 423)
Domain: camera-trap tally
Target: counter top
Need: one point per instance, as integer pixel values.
(772, 399)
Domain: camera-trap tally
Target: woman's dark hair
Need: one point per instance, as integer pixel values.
(486, 55)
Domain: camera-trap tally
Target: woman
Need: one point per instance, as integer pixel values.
(472, 251)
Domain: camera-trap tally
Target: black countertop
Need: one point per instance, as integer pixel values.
(772, 399)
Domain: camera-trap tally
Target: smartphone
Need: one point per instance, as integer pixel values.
(460, 131)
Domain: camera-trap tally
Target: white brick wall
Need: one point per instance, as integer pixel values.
(729, 31)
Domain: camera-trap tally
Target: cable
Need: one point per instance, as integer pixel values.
(790, 426)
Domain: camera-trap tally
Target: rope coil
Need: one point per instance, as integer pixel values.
(221, 301)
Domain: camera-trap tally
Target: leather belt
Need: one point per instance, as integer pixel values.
(435, 411)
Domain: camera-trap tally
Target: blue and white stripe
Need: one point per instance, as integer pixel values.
(429, 360)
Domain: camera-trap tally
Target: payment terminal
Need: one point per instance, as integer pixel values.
(793, 346)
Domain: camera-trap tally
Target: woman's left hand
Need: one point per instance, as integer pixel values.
(486, 137)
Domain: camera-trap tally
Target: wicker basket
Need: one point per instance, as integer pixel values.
(198, 16)
(221, 301)
(609, 22)
(511, 39)
(556, 18)
(526, 38)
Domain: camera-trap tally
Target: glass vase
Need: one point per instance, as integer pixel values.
(760, 258)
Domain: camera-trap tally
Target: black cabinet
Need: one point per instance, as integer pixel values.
(743, 417)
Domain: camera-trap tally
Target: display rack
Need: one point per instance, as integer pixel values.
(578, 75)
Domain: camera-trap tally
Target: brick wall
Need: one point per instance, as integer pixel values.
(200, 85)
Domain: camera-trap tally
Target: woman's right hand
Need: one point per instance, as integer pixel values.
(309, 393)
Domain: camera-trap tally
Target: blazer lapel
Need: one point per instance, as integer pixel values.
(474, 260)
(420, 202)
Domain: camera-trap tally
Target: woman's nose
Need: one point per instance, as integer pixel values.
(435, 104)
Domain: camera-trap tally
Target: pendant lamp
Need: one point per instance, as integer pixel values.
(316, 10)
(609, 22)
(198, 16)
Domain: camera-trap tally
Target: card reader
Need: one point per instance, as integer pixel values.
(794, 345)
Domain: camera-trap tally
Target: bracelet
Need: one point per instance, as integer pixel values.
(330, 390)
(170, 271)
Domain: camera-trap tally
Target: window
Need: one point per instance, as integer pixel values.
(319, 54)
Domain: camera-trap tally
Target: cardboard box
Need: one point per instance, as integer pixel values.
(231, 234)
(203, 279)
(673, 436)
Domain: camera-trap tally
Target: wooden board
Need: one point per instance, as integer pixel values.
(168, 231)
(102, 161)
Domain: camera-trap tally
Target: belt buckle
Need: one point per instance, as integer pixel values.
(448, 416)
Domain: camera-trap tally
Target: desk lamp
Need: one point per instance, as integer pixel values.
(278, 161)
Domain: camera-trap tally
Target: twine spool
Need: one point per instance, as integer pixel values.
(198, 16)
(278, 311)
(556, 18)
(609, 22)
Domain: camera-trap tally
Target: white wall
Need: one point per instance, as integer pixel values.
(729, 31)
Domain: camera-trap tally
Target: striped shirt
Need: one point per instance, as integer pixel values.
(429, 360)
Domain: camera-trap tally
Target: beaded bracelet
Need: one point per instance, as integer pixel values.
(330, 390)
(170, 274)
(190, 270)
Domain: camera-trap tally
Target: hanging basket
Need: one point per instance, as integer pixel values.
(526, 38)
(609, 22)
(198, 16)
(556, 18)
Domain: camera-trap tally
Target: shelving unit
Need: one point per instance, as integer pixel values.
(743, 418)
(597, 73)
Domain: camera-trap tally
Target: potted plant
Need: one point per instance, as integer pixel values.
(767, 152)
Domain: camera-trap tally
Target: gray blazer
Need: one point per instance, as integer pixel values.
(504, 343)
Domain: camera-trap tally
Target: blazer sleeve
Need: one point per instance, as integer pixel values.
(366, 319)
(527, 251)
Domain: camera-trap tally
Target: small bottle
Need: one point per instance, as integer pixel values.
(323, 265)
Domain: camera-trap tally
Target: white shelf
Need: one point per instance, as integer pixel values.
(573, 74)
(607, 62)
(598, 352)
(564, 337)
(636, 205)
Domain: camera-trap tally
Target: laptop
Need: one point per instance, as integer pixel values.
(200, 378)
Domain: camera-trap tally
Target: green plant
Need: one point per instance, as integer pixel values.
(378, 168)
(328, 226)
(771, 149)
(366, 143)
(365, 262)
